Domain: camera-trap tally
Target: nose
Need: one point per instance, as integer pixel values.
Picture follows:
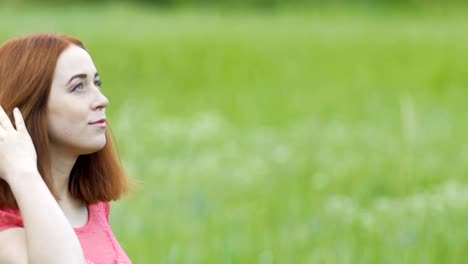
(101, 101)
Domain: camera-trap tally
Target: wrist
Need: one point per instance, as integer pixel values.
(25, 174)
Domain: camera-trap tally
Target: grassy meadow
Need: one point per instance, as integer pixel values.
(321, 135)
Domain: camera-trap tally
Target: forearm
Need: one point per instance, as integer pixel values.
(50, 237)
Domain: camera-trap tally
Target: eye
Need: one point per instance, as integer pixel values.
(78, 86)
(98, 83)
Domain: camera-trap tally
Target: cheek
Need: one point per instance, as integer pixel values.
(64, 129)
(67, 132)
(60, 132)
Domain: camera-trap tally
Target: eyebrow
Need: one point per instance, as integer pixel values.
(81, 76)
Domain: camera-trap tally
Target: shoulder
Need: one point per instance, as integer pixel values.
(13, 249)
(102, 209)
(12, 237)
(106, 208)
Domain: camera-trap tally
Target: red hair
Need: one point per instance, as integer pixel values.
(27, 66)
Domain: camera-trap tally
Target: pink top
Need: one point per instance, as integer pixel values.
(96, 237)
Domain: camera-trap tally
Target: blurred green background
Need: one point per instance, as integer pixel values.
(280, 131)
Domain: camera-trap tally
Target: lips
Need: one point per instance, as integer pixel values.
(100, 121)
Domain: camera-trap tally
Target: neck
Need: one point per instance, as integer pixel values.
(62, 164)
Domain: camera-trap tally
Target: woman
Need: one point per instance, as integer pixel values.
(58, 166)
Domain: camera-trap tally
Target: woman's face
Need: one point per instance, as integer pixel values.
(74, 103)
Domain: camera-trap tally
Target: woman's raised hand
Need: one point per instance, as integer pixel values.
(17, 152)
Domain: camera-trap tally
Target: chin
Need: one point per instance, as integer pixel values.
(92, 149)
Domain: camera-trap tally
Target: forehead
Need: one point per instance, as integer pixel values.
(73, 60)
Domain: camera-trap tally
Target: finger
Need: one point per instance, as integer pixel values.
(19, 121)
(5, 120)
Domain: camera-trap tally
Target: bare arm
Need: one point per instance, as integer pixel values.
(48, 237)
(13, 249)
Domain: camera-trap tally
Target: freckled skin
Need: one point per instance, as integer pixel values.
(71, 109)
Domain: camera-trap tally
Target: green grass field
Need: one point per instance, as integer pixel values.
(296, 136)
